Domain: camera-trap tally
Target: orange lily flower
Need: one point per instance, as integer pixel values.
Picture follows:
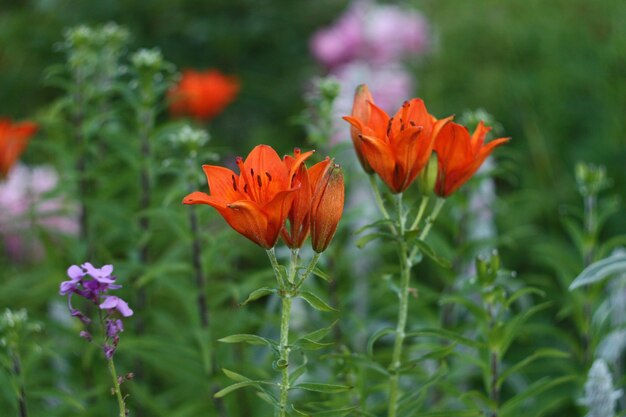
(257, 201)
(13, 140)
(326, 207)
(460, 155)
(299, 215)
(202, 95)
(396, 148)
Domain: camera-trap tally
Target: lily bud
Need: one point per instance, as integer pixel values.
(326, 207)
(361, 110)
(428, 177)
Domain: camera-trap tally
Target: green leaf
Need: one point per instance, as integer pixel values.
(323, 275)
(597, 271)
(316, 302)
(446, 334)
(323, 388)
(377, 335)
(298, 371)
(308, 344)
(375, 224)
(235, 376)
(364, 240)
(258, 293)
(429, 252)
(340, 412)
(223, 392)
(251, 339)
(510, 407)
(541, 353)
(474, 308)
(317, 335)
(522, 292)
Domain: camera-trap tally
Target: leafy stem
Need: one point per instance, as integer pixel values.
(116, 388)
(405, 277)
(380, 203)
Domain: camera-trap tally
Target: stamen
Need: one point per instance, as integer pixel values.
(258, 180)
(252, 172)
(245, 188)
(269, 177)
(389, 126)
(234, 183)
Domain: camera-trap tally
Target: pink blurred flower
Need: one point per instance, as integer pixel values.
(25, 204)
(377, 34)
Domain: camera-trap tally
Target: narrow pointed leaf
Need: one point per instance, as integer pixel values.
(316, 302)
(258, 293)
(597, 271)
(251, 339)
(377, 335)
(323, 388)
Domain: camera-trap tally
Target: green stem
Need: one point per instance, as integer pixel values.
(420, 212)
(429, 222)
(405, 277)
(284, 350)
(308, 270)
(291, 275)
(272, 255)
(380, 203)
(116, 388)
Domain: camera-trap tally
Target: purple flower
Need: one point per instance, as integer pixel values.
(102, 275)
(111, 302)
(76, 275)
(114, 327)
(109, 350)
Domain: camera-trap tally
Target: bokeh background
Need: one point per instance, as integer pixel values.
(552, 74)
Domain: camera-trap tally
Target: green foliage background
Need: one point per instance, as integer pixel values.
(552, 73)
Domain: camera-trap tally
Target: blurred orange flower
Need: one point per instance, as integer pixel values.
(396, 148)
(13, 140)
(257, 201)
(202, 95)
(460, 155)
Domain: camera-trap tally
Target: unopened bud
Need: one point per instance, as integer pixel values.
(428, 177)
(326, 208)
(86, 335)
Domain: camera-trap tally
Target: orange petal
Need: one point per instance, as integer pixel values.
(248, 219)
(381, 158)
(222, 182)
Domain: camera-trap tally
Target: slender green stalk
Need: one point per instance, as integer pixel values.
(21, 397)
(287, 291)
(272, 255)
(380, 203)
(429, 222)
(291, 274)
(116, 388)
(420, 212)
(405, 277)
(308, 270)
(284, 350)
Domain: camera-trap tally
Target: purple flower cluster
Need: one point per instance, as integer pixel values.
(93, 284)
(377, 34)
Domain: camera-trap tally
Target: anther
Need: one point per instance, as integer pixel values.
(389, 126)
(269, 177)
(245, 188)
(234, 183)
(258, 180)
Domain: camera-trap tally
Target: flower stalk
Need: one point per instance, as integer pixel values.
(116, 388)
(405, 278)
